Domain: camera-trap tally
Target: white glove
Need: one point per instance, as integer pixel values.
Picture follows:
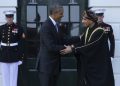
(112, 58)
(19, 62)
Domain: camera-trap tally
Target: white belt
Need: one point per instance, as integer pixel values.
(9, 44)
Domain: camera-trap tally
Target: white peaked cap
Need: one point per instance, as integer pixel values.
(99, 11)
(9, 12)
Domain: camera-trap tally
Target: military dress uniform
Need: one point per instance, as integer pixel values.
(110, 36)
(110, 45)
(108, 29)
(10, 53)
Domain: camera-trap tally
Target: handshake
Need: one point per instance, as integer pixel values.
(68, 49)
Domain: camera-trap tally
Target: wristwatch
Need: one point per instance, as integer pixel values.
(73, 48)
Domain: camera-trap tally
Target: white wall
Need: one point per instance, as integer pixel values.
(10, 3)
(112, 17)
(6, 5)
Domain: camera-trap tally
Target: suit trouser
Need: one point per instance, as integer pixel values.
(48, 79)
(9, 73)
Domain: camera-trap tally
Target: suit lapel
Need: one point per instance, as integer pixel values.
(52, 25)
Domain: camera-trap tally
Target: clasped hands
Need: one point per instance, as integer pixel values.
(68, 49)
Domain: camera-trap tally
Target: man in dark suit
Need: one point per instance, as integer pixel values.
(48, 62)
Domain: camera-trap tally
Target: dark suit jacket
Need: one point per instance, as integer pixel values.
(50, 45)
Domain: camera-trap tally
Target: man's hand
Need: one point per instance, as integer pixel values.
(67, 50)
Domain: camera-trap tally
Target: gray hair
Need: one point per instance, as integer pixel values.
(55, 8)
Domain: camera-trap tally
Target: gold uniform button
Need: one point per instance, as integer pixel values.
(8, 32)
